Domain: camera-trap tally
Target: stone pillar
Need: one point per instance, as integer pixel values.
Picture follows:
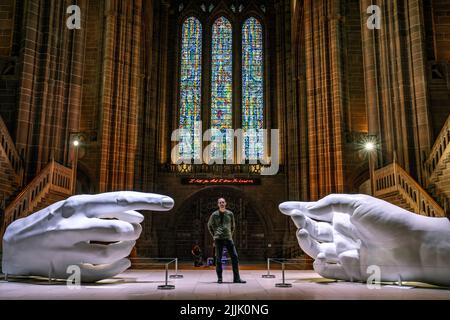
(90, 121)
(292, 106)
(324, 97)
(282, 52)
(163, 109)
(420, 119)
(146, 154)
(122, 94)
(10, 14)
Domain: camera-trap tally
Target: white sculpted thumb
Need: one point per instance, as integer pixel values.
(94, 232)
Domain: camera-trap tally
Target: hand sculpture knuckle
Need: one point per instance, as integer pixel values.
(116, 230)
(105, 252)
(68, 208)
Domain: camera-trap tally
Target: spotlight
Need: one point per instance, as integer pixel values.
(76, 143)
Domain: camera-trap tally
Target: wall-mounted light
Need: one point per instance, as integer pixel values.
(369, 146)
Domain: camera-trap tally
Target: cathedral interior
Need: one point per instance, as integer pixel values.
(359, 96)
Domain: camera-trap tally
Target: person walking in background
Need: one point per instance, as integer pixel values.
(198, 256)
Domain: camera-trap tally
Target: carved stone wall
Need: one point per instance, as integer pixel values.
(396, 87)
(51, 63)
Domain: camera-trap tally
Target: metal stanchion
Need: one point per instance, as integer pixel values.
(176, 275)
(167, 286)
(400, 282)
(268, 275)
(283, 284)
(50, 274)
(283, 263)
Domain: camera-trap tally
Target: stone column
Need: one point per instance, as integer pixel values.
(282, 51)
(146, 155)
(163, 144)
(324, 97)
(122, 94)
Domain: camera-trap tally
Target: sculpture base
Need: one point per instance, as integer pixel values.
(166, 287)
(176, 276)
(283, 285)
(268, 276)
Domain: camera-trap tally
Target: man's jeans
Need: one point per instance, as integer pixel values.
(229, 244)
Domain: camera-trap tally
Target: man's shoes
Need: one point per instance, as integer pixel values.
(219, 281)
(239, 281)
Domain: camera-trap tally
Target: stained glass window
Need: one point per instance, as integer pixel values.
(252, 89)
(190, 90)
(222, 75)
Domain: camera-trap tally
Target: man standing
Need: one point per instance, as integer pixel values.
(221, 225)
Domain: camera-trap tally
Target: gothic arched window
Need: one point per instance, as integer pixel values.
(222, 82)
(230, 95)
(253, 88)
(191, 89)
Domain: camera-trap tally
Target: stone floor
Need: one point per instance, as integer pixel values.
(200, 284)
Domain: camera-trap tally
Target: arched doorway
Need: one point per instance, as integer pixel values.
(192, 218)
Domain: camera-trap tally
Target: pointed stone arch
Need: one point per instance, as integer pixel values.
(253, 229)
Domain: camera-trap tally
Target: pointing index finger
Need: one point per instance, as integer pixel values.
(325, 208)
(116, 204)
(292, 209)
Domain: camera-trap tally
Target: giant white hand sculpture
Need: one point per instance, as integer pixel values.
(346, 234)
(77, 232)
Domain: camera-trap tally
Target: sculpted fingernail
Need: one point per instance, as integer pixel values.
(321, 256)
(167, 203)
(285, 208)
(303, 233)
